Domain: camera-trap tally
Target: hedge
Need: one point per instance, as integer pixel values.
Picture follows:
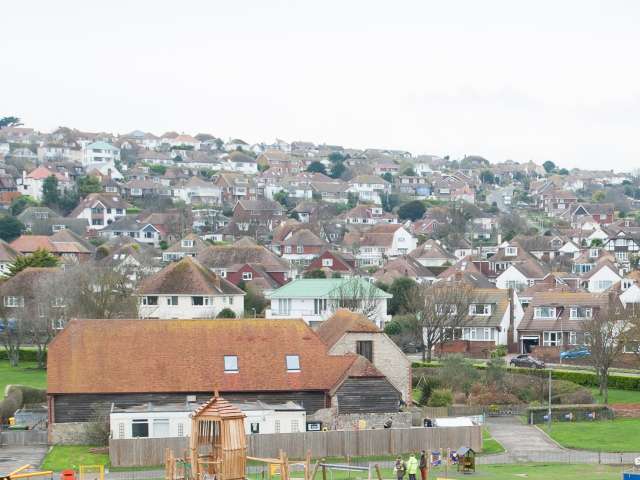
(586, 379)
(26, 355)
(579, 413)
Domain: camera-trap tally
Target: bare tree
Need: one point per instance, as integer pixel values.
(360, 296)
(439, 310)
(12, 333)
(100, 292)
(611, 328)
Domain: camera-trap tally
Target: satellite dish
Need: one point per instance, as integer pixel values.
(637, 462)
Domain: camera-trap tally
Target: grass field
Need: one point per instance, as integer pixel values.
(63, 457)
(607, 436)
(489, 445)
(26, 373)
(618, 396)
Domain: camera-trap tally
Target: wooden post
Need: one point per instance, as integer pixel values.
(307, 465)
(378, 473)
(324, 472)
(315, 470)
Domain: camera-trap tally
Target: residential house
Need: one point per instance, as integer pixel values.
(432, 254)
(186, 289)
(134, 189)
(334, 264)
(449, 188)
(601, 278)
(381, 168)
(300, 246)
(379, 242)
(129, 258)
(234, 187)
(404, 266)
(315, 300)
(369, 215)
(101, 152)
(32, 182)
(188, 246)
(369, 188)
(557, 319)
(58, 244)
(602, 213)
(130, 225)
(247, 361)
(100, 209)
(44, 221)
(8, 256)
(197, 190)
(241, 163)
(263, 212)
(348, 332)
(330, 191)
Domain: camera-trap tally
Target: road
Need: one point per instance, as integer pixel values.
(12, 457)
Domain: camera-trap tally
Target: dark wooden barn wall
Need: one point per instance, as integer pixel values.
(367, 395)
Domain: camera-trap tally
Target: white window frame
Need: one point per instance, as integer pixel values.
(187, 243)
(511, 252)
(231, 364)
(573, 313)
(327, 262)
(573, 338)
(548, 342)
(247, 275)
(538, 310)
(292, 362)
(475, 311)
(13, 302)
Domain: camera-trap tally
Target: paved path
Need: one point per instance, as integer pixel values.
(12, 457)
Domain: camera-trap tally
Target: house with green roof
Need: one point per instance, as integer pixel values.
(101, 152)
(315, 300)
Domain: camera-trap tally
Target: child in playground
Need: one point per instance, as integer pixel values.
(412, 467)
(399, 468)
(423, 465)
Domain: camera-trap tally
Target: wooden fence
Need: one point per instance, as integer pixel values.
(23, 437)
(150, 451)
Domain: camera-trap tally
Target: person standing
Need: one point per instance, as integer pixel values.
(399, 468)
(423, 465)
(412, 467)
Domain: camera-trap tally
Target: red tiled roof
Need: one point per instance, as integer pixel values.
(126, 356)
(341, 322)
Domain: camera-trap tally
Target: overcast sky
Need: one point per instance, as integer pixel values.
(538, 80)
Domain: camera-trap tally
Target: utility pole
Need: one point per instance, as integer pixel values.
(549, 411)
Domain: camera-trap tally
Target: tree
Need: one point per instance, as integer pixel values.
(359, 296)
(606, 334)
(19, 204)
(10, 228)
(387, 177)
(598, 196)
(512, 225)
(400, 288)
(409, 171)
(563, 171)
(204, 137)
(389, 201)
(336, 157)
(50, 192)
(158, 169)
(40, 258)
(281, 197)
(226, 313)
(413, 210)
(317, 167)
(439, 311)
(254, 301)
(88, 184)
(337, 169)
(549, 166)
(487, 176)
(9, 122)
(315, 273)
(458, 373)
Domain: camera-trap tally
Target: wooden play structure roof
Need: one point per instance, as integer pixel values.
(218, 408)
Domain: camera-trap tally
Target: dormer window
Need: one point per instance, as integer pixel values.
(580, 313)
(187, 243)
(480, 309)
(511, 251)
(544, 312)
(293, 363)
(231, 364)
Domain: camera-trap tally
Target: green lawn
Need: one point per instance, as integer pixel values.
(26, 373)
(621, 435)
(618, 396)
(500, 472)
(489, 445)
(62, 457)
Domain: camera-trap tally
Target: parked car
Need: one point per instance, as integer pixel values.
(578, 352)
(526, 361)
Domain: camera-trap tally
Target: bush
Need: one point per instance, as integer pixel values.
(226, 313)
(392, 328)
(427, 385)
(440, 397)
(499, 352)
(25, 355)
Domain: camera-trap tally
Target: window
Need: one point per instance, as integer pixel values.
(150, 300)
(58, 302)
(603, 284)
(632, 347)
(172, 301)
(300, 249)
(247, 275)
(187, 243)
(573, 338)
(284, 306)
(287, 249)
(118, 211)
(230, 363)
(552, 339)
(181, 429)
(230, 300)
(14, 301)
(97, 221)
(479, 309)
(140, 428)
(276, 427)
(319, 305)
(511, 251)
(478, 333)
(327, 262)
(148, 234)
(160, 427)
(255, 427)
(57, 228)
(293, 363)
(594, 252)
(121, 430)
(581, 312)
(365, 348)
(220, 271)
(295, 425)
(197, 301)
(442, 309)
(544, 312)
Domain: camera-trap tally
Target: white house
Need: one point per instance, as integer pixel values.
(601, 278)
(382, 241)
(31, 183)
(100, 152)
(315, 300)
(174, 420)
(186, 289)
(197, 190)
(369, 188)
(129, 225)
(100, 209)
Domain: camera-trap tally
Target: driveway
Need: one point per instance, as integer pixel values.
(518, 438)
(12, 457)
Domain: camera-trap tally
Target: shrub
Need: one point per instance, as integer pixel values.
(226, 313)
(499, 352)
(25, 355)
(392, 328)
(440, 397)
(427, 385)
